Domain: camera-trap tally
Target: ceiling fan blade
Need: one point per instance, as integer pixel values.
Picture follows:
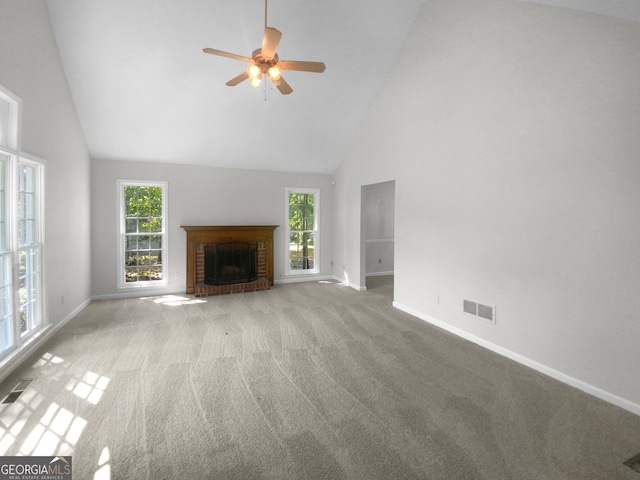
(236, 80)
(270, 42)
(213, 51)
(283, 86)
(316, 67)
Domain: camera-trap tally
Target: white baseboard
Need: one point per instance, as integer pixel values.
(331, 278)
(562, 377)
(305, 278)
(15, 359)
(343, 281)
(379, 274)
(137, 293)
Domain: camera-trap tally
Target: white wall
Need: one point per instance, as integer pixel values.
(30, 67)
(511, 130)
(202, 196)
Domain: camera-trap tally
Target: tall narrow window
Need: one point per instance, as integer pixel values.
(29, 247)
(303, 232)
(21, 221)
(6, 121)
(143, 245)
(5, 259)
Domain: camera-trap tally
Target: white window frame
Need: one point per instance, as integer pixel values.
(37, 319)
(15, 120)
(316, 231)
(122, 284)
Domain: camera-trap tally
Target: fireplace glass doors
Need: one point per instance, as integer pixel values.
(230, 262)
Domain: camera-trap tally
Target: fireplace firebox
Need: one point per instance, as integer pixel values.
(199, 237)
(230, 262)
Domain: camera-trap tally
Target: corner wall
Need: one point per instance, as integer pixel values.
(511, 132)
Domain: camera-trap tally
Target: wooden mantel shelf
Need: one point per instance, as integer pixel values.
(201, 234)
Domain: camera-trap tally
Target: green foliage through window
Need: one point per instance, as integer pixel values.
(302, 234)
(143, 233)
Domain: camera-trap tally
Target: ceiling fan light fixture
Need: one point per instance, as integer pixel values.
(254, 71)
(264, 61)
(275, 73)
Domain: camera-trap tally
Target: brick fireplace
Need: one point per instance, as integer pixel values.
(200, 238)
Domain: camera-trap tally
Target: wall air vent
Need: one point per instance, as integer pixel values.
(470, 307)
(485, 312)
(479, 310)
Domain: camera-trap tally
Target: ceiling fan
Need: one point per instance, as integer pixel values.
(265, 62)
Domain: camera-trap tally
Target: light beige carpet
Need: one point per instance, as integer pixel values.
(305, 381)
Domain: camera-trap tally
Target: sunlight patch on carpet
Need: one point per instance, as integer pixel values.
(174, 300)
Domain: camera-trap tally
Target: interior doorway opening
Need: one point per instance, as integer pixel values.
(377, 236)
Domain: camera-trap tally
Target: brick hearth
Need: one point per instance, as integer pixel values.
(200, 236)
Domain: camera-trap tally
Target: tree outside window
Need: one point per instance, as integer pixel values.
(303, 231)
(143, 239)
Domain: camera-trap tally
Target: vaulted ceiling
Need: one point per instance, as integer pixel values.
(144, 90)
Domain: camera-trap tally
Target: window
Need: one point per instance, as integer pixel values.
(29, 247)
(21, 222)
(304, 242)
(143, 243)
(6, 287)
(6, 121)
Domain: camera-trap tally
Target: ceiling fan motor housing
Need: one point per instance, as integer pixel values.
(264, 63)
